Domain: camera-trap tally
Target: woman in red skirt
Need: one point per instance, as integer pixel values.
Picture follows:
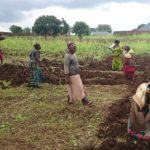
(129, 68)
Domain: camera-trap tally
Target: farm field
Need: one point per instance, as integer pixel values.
(41, 118)
(95, 47)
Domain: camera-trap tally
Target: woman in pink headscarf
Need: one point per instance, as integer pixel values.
(76, 91)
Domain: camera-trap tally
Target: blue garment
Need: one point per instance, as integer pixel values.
(36, 74)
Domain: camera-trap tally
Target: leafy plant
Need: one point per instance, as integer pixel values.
(20, 118)
(5, 127)
(5, 84)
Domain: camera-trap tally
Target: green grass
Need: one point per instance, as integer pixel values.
(41, 118)
(95, 47)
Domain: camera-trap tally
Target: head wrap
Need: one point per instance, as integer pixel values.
(126, 47)
(116, 41)
(140, 95)
(71, 45)
(37, 46)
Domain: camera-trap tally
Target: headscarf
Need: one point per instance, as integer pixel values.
(127, 54)
(140, 95)
(116, 41)
(70, 45)
(37, 46)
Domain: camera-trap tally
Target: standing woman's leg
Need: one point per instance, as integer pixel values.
(114, 63)
(70, 93)
(120, 67)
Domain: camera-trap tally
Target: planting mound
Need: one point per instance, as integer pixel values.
(20, 74)
(113, 131)
(14, 73)
(91, 72)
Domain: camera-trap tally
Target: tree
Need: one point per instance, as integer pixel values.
(93, 30)
(15, 29)
(26, 30)
(104, 28)
(65, 27)
(47, 25)
(80, 29)
(141, 25)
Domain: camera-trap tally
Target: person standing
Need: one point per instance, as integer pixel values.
(117, 63)
(129, 68)
(76, 90)
(35, 66)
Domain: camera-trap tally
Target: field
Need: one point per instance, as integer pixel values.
(93, 46)
(41, 119)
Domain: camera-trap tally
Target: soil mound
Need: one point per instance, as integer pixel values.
(91, 72)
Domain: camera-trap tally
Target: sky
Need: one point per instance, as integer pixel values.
(119, 14)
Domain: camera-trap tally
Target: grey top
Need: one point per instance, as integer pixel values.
(71, 65)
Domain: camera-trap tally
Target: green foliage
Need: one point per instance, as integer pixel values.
(5, 84)
(141, 25)
(93, 30)
(15, 29)
(26, 30)
(20, 118)
(81, 28)
(5, 127)
(92, 46)
(104, 28)
(47, 25)
(65, 27)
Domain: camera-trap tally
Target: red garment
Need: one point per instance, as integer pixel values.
(129, 70)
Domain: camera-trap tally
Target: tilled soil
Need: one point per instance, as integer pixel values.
(113, 131)
(91, 72)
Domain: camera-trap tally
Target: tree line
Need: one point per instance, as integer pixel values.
(52, 26)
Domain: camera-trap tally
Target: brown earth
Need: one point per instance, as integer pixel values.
(113, 131)
(93, 72)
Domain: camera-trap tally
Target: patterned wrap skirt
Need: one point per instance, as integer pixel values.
(36, 75)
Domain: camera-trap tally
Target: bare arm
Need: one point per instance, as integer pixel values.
(37, 59)
(66, 69)
(147, 118)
